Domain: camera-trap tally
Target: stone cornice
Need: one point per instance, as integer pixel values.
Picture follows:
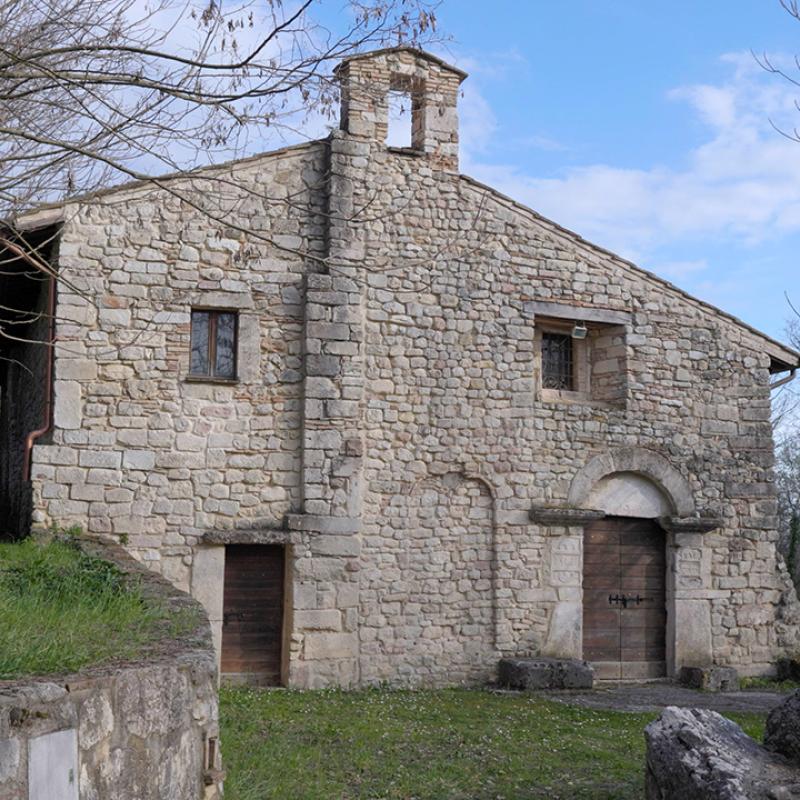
(295, 528)
(567, 516)
(690, 524)
(316, 523)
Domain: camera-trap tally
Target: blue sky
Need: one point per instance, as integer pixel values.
(646, 128)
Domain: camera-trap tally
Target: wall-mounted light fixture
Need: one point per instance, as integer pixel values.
(579, 330)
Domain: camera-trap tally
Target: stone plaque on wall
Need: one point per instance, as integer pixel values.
(53, 766)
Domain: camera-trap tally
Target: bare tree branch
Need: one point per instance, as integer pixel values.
(96, 92)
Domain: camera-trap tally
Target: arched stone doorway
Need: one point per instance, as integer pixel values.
(638, 487)
(631, 466)
(624, 625)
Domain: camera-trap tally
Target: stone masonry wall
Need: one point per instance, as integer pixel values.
(427, 597)
(139, 451)
(452, 271)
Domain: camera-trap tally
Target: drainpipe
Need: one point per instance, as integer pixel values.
(782, 381)
(47, 417)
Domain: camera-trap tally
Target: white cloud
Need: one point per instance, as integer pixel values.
(536, 142)
(497, 65)
(477, 122)
(677, 270)
(715, 104)
(741, 183)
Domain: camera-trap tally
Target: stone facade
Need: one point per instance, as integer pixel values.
(389, 424)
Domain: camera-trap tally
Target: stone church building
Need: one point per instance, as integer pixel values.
(390, 425)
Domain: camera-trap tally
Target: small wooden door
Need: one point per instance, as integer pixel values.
(624, 598)
(252, 620)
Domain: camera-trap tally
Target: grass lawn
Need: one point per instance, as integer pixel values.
(61, 609)
(430, 745)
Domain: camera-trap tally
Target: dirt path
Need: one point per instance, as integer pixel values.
(655, 696)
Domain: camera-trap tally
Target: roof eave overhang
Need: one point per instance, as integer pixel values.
(29, 221)
(782, 359)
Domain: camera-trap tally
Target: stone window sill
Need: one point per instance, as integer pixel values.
(563, 395)
(555, 397)
(211, 379)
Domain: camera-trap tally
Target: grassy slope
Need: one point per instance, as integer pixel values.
(443, 745)
(61, 610)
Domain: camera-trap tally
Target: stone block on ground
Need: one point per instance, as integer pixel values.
(695, 754)
(710, 679)
(544, 673)
(788, 669)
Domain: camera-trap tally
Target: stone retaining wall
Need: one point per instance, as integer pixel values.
(142, 731)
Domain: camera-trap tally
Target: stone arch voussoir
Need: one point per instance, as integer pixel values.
(480, 471)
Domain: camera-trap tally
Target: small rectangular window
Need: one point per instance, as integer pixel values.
(558, 368)
(213, 347)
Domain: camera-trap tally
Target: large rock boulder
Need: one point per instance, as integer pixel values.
(782, 734)
(695, 754)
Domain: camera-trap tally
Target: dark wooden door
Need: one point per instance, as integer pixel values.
(252, 620)
(624, 598)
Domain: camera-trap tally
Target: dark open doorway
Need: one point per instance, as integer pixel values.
(26, 332)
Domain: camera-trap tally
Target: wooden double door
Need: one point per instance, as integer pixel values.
(252, 614)
(624, 598)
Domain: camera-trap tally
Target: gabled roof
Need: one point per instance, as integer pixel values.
(49, 213)
(783, 357)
